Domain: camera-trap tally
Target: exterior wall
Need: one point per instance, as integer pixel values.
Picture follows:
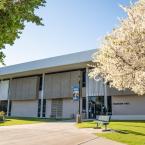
(24, 108)
(24, 88)
(115, 92)
(70, 108)
(4, 88)
(128, 117)
(48, 108)
(59, 85)
(128, 105)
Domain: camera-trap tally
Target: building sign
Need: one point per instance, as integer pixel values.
(121, 103)
(76, 93)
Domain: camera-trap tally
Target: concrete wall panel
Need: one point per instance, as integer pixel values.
(65, 85)
(128, 105)
(24, 108)
(24, 88)
(48, 108)
(70, 108)
(56, 86)
(59, 85)
(75, 78)
(128, 117)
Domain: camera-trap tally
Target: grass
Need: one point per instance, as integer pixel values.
(87, 124)
(25, 120)
(128, 132)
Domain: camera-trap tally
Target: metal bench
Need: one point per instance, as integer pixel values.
(104, 120)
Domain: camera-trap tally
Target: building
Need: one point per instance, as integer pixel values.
(44, 88)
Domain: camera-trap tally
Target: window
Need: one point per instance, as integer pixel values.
(44, 107)
(10, 107)
(84, 104)
(39, 107)
(40, 83)
(109, 105)
(84, 78)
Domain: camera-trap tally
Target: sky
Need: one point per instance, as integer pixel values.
(70, 26)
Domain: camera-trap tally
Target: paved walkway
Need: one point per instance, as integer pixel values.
(60, 133)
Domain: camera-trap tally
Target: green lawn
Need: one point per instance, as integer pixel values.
(21, 120)
(128, 132)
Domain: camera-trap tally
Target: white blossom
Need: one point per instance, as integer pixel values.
(121, 59)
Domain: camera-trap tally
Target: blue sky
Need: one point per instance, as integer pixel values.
(70, 26)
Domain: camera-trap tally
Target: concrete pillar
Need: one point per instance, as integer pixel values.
(87, 93)
(42, 95)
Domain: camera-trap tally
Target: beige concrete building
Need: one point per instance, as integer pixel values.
(59, 87)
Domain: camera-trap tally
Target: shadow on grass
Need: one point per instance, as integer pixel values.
(129, 132)
(6, 120)
(128, 121)
(134, 126)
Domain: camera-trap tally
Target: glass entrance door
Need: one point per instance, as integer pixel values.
(96, 105)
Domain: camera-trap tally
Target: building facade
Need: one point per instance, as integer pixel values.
(44, 88)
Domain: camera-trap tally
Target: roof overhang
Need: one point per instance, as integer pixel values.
(55, 64)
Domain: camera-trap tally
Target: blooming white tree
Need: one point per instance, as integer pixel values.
(121, 59)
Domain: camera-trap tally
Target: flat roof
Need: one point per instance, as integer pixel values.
(69, 59)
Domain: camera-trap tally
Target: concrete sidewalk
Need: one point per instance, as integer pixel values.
(58, 133)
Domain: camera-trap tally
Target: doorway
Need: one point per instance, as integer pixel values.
(96, 104)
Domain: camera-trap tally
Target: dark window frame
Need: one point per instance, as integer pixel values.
(39, 108)
(84, 78)
(40, 83)
(44, 108)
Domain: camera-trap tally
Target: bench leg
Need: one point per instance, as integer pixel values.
(97, 124)
(105, 127)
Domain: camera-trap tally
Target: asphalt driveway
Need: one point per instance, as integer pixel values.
(58, 133)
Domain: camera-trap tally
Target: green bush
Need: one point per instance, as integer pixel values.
(2, 116)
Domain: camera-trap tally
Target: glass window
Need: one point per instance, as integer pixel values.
(84, 104)
(44, 107)
(39, 107)
(84, 78)
(96, 106)
(40, 83)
